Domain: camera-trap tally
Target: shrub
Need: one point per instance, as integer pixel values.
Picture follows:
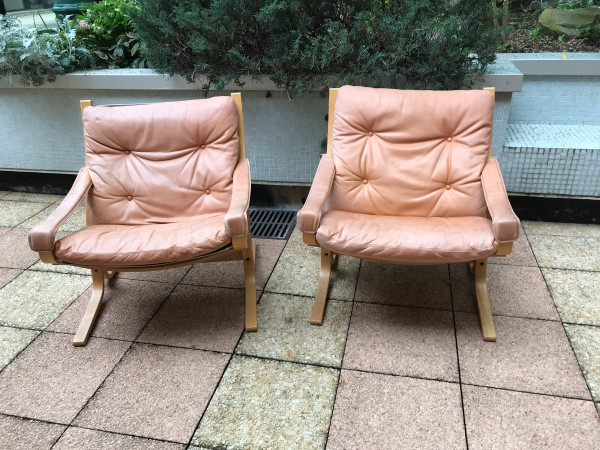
(308, 44)
(37, 57)
(105, 28)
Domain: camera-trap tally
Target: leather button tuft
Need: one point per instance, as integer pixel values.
(129, 197)
(203, 146)
(208, 192)
(365, 181)
(448, 186)
(449, 139)
(370, 133)
(127, 152)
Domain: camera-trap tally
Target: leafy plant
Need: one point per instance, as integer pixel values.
(106, 29)
(591, 33)
(23, 54)
(310, 44)
(66, 48)
(535, 33)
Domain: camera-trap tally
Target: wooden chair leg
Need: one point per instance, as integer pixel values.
(318, 311)
(91, 312)
(483, 302)
(249, 256)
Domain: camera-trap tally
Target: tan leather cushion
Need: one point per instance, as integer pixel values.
(162, 162)
(135, 245)
(410, 153)
(407, 239)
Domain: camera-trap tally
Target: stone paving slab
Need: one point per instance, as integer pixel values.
(14, 250)
(127, 306)
(75, 222)
(586, 344)
(269, 404)
(402, 341)
(162, 276)
(15, 213)
(562, 229)
(284, 331)
(199, 317)
(82, 438)
(7, 275)
(51, 381)
(499, 419)
(529, 355)
(35, 299)
(12, 341)
(521, 254)
(19, 433)
(32, 197)
(397, 284)
(297, 272)
(513, 291)
(163, 404)
(388, 412)
(576, 295)
(566, 252)
(231, 273)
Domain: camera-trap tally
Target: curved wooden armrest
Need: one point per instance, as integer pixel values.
(310, 214)
(42, 237)
(504, 221)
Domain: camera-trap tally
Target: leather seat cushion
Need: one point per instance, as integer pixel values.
(114, 246)
(407, 239)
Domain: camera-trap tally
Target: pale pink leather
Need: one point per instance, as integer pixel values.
(504, 221)
(168, 184)
(407, 179)
(41, 237)
(410, 153)
(116, 246)
(310, 214)
(161, 163)
(236, 219)
(407, 239)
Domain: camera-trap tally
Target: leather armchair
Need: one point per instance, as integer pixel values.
(166, 185)
(409, 179)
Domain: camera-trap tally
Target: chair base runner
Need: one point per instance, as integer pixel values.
(318, 311)
(483, 302)
(91, 312)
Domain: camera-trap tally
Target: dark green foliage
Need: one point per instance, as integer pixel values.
(311, 44)
(105, 28)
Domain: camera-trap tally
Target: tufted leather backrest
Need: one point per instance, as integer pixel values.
(410, 153)
(162, 162)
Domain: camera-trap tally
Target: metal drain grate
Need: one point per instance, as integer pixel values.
(272, 223)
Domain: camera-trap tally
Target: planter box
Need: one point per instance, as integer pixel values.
(40, 128)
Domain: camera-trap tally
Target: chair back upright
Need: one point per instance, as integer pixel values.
(410, 153)
(162, 162)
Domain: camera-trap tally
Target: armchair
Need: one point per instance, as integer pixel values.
(408, 178)
(166, 185)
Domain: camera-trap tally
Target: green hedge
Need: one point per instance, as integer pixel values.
(311, 44)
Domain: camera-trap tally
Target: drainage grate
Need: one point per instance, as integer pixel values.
(272, 223)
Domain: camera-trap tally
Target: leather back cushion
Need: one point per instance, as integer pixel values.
(161, 163)
(410, 153)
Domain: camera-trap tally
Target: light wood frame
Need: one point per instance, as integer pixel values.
(242, 248)
(478, 268)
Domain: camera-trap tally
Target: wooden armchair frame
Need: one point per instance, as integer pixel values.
(241, 248)
(478, 268)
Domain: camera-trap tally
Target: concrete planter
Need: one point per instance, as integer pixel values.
(40, 128)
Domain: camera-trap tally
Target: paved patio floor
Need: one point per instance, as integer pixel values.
(398, 363)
